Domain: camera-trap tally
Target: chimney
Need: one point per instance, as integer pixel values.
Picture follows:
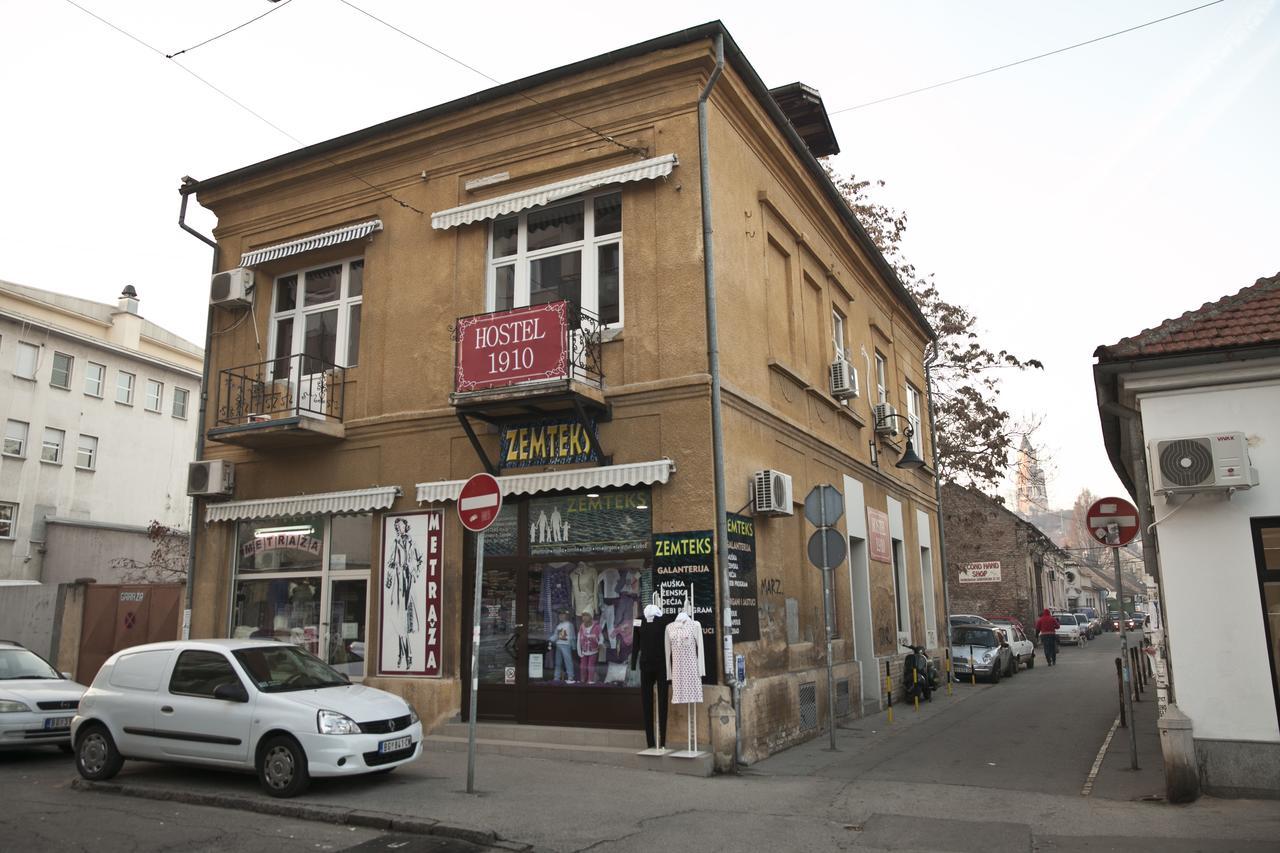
(126, 323)
(129, 299)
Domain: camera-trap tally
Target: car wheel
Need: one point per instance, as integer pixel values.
(97, 758)
(282, 767)
(1013, 665)
(995, 675)
(1031, 661)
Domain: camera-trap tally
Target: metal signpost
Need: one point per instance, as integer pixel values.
(1114, 522)
(823, 506)
(478, 505)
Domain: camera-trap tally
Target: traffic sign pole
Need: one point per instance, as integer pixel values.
(1128, 670)
(475, 666)
(1114, 522)
(479, 503)
(823, 506)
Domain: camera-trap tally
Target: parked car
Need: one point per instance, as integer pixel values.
(1083, 621)
(1068, 630)
(992, 657)
(1095, 621)
(1024, 651)
(36, 701)
(999, 619)
(967, 619)
(240, 704)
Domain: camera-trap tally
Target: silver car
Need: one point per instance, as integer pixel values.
(980, 650)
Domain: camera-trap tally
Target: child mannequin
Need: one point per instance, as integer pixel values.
(562, 642)
(588, 647)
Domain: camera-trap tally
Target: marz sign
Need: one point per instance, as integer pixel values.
(512, 347)
(980, 573)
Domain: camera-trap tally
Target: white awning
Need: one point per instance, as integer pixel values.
(328, 503)
(655, 167)
(345, 234)
(604, 477)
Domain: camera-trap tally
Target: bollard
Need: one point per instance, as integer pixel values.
(1133, 679)
(888, 690)
(915, 683)
(1120, 686)
(948, 664)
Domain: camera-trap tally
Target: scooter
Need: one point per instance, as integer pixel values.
(919, 674)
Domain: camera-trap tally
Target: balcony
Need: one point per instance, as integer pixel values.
(286, 402)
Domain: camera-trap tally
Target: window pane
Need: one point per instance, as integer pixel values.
(609, 214)
(285, 610)
(505, 233)
(124, 388)
(61, 377)
(609, 281)
(351, 546)
(155, 393)
(198, 673)
(51, 449)
(554, 278)
(353, 336)
(555, 226)
(179, 402)
(504, 288)
(320, 342)
(280, 545)
(355, 279)
(15, 438)
(93, 376)
(7, 513)
(284, 348)
(322, 286)
(287, 293)
(87, 452)
(28, 356)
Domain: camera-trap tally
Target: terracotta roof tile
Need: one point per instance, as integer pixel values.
(1250, 317)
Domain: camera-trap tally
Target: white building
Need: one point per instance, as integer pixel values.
(98, 408)
(1207, 376)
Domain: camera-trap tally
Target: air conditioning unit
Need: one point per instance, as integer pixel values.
(886, 419)
(844, 380)
(214, 478)
(232, 287)
(1201, 463)
(771, 493)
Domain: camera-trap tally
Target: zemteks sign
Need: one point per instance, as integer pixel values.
(980, 573)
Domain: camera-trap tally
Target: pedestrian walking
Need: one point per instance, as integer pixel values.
(1047, 628)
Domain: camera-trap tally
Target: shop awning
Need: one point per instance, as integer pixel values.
(655, 167)
(345, 234)
(328, 503)
(604, 477)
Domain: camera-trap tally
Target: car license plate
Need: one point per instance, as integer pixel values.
(57, 723)
(395, 744)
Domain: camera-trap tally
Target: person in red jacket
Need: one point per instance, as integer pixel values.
(1047, 628)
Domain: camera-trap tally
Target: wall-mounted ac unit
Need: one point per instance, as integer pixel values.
(214, 478)
(1201, 463)
(886, 420)
(843, 380)
(231, 288)
(771, 493)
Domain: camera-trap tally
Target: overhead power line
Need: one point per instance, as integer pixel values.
(230, 31)
(1024, 61)
(277, 128)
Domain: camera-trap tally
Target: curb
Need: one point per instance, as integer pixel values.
(306, 811)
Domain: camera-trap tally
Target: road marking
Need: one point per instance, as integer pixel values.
(1097, 762)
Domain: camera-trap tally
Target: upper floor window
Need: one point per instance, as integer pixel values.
(180, 402)
(87, 452)
(882, 389)
(15, 438)
(51, 449)
(570, 251)
(8, 515)
(155, 395)
(839, 347)
(316, 312)
(913, 416)
(94, 376)
(124, 388)
(28, 359)
(61, 376)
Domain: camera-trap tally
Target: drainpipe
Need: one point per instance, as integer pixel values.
(937, 490)
(188, 186)
(717, 423)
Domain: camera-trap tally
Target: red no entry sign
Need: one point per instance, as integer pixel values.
(1112, 521)
(479, 502)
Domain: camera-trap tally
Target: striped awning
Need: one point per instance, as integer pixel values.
(655, 167)
(604, 477)
(345, 234)
(328, 503)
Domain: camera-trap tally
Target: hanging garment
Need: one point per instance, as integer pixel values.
(685, 662)
(557, 594)
(583, 581)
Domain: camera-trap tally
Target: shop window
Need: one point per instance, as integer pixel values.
(1266, 545)
(316, 312)
(293, 546)
(501, 539)
(607, 523)
(352, 543)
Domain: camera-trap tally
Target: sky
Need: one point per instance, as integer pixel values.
(1067, 202)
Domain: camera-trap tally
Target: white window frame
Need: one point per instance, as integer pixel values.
(57, 446)
(8, 519)
(34, 351)
(839, 344)
(53, 371)
(882, 369)
(158, 387)
(913, 416)
(185, 394)
(89, 379)
(588, 247)
(120, 374)
(91, 450)
(299, 313)
(901, 592)
(11, 434)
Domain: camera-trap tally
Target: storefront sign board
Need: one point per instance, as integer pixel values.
(878, 535)
(513, 347)
(742, 578)
(610, 523)
(683, 563)
(412, 594)
(980, 572)
(548, 441)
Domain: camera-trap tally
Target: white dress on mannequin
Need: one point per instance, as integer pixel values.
(686, 663)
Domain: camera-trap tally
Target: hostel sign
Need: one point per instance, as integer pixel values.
(513, 347)
(550, 441)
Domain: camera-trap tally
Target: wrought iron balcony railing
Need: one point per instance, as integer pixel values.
(293, 386)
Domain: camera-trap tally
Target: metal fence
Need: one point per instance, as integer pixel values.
(290, 386)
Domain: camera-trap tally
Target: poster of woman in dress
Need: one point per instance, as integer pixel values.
(411, 593)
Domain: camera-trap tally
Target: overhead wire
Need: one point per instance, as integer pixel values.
(244, 107)
(274, 8)
(1008, 65)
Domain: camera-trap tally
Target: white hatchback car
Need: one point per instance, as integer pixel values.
(36, 701)
(1024, 651)
(240, 704)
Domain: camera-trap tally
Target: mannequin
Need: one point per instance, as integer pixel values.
(686, 664)
(648, 649)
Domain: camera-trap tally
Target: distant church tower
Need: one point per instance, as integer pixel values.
(1031, 497)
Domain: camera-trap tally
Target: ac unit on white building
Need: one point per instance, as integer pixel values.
(886, 419)
(771, 493)
(213, 478)
(232, 287)
(844, 380)
(1201, 463)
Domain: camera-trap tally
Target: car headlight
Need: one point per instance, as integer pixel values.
(413, 715)
(986, 657)
(333, 723)
(12, 706)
